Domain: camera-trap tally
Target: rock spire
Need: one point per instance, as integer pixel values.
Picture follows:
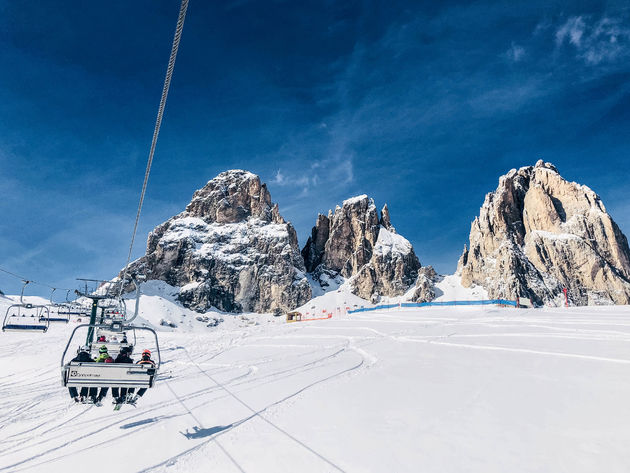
(538, 233)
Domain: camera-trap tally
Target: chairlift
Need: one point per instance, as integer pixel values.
(54, 314)
(84, 379)
(25, 317)
(112, 339)
(72, 308)
(91, 377)
(114, 313)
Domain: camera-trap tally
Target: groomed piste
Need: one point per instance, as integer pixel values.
(450, 389)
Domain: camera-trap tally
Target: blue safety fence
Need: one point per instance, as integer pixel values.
(436, 304)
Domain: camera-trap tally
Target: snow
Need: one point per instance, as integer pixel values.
(391, 243)
(450, 288)
(232, 243)
(434, 389)
(231, 175)
(555, 236)
(354, 200)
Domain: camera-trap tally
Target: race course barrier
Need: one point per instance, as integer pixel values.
(435, 304)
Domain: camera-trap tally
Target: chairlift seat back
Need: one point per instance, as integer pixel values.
(107, 375)
(64, 320)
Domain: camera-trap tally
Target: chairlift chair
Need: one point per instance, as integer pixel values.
(55, 315)
(120, 377)
(114, 347)
(53, 311)
(72, 308)
(26, 318)
(93, 375)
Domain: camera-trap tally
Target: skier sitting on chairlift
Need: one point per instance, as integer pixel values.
(83, 356)
(95, 396)
(103, 355)
(123, 356)
(122, 394)
(146, 359)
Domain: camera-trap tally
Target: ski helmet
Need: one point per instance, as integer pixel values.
(103, 349)
(146, 352)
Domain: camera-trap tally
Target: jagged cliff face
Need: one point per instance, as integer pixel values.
(229, 249)
(537, 234)
(354, 243)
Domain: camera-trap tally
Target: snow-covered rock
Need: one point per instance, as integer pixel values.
(229, 249)
(538, 233)
(352, 242)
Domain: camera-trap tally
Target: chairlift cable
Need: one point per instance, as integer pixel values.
(30, 281)
(158, 123)
(74, 374)
(257, 413)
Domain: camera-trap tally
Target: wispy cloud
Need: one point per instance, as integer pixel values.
(279, 178)
(572, 29)
(600, 41)
(515, 53)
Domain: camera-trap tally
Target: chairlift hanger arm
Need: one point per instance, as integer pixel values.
(135, 312)
(26, 282)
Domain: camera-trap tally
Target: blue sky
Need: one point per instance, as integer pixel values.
(422, 105)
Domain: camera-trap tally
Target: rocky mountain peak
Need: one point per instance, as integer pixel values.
(230, 249)
(385, 220)
(542, 164)
(538, 233)
(233, 196)
(355, 242)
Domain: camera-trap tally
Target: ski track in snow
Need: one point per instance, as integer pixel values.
(437, 386)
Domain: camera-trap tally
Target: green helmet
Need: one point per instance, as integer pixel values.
(103, 349)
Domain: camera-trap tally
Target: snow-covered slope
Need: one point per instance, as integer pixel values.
(160, 309)
(449, 288)
(433, 390)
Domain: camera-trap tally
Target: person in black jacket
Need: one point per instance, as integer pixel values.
(120, 394)
(123, 356)
(82, 357)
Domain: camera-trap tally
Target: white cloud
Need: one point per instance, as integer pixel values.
(573, 29)
(279, 178)
(596, 42)
(515, 53)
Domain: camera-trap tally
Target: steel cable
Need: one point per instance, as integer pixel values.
(158, 123)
